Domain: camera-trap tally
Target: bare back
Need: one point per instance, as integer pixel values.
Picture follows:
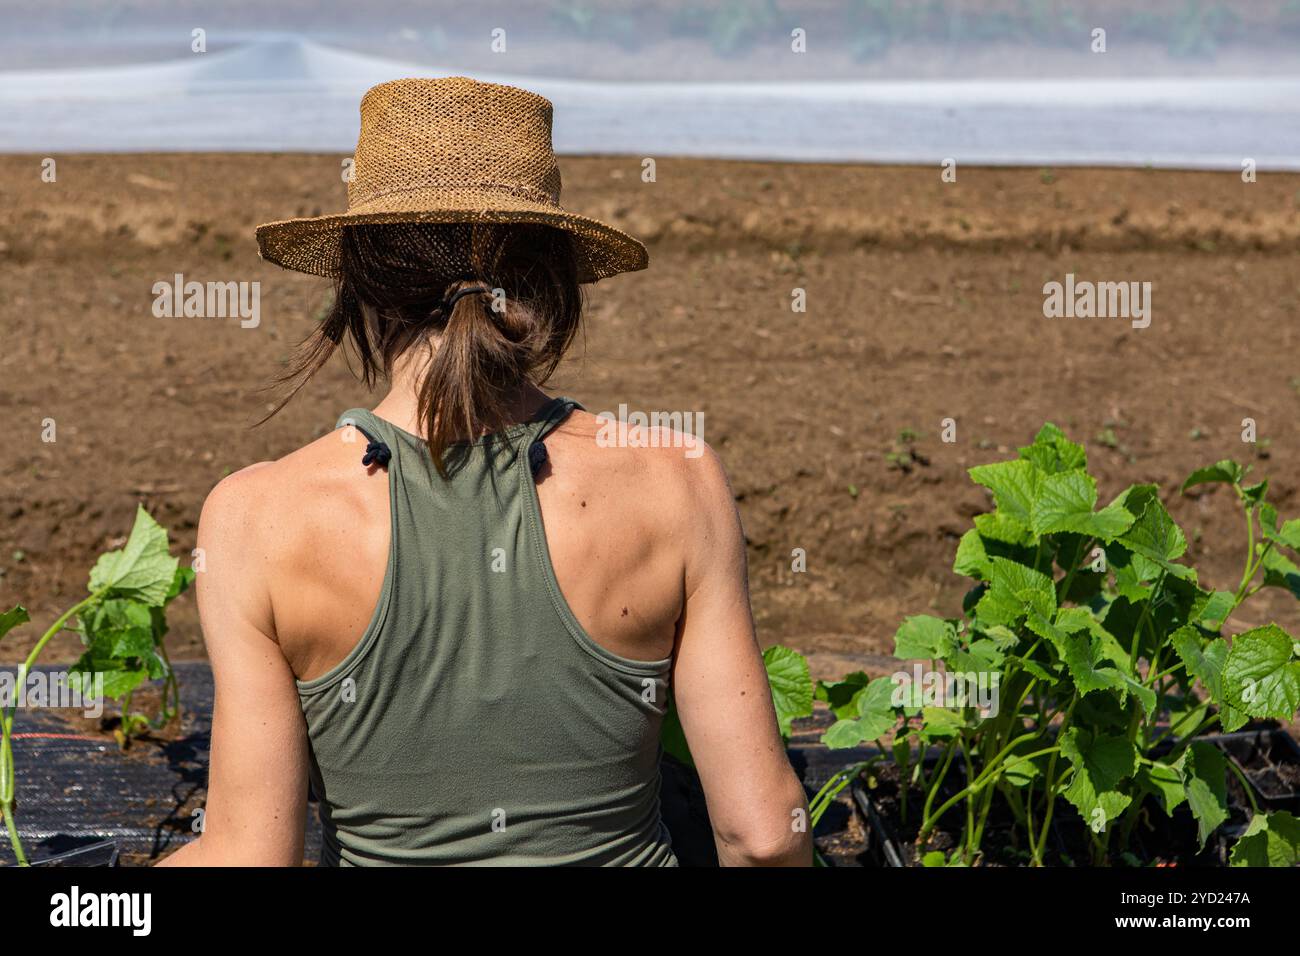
(648, 555)
(614, 524)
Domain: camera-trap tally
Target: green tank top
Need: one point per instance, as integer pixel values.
(475, 721)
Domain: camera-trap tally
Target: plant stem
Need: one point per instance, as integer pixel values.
(1183, 744)
(1049, 784)
(16, 843)
(970, 803)
(54, 629)
(1130, 821)
(938, 778)
(986, 806)
(1173, 729)
(1069, 575)
(1152, 677)
(1245, 785)
(833, 787)
(1029, 822)
(1248, 575)
(7, 724)
(7, 787)
(904, 785)
(171, 686)
(984, 780)
(1250, 547)
(1142, 620)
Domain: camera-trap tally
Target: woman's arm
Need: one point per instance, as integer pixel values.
(257, 781)
(756, 804)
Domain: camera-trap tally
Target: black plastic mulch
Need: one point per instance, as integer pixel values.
(75, 787)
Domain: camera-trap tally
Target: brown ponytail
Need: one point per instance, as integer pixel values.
(392, 293)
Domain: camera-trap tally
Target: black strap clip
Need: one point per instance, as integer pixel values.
(537, 455)
(377, 453)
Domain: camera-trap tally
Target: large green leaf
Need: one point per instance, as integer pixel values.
(142, 570)
(1166, 781)
(1066, 502)
(876, 716)
(1101, 762)
(1105, 645)
(1211, 610)
(123, 634)
(792, 690)
(1201, 663)
(940, 723)
(1014, 485)
(1052, 452)
(1000, 529)
(1272, 839)
(1259, 675)
(924, 637)
(1144, 694)
(181, 582)
(844, 733)
(117, 614)
(1014, 590)
(119, 678)
(1204, 661)
(1155, 536)
(1281, 572)
(982, 655)
(1287, 535)
(1207, 788)
(972, 559)
(1080, 651)
(839, 695)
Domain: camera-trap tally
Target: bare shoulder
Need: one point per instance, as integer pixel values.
(269, 503)
(665, 467)
(233, 503)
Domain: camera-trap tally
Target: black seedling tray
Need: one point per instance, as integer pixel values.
(102, 853)
(1274, 783)
(1257, 752)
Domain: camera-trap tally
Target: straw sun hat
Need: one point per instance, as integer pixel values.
(451, 151)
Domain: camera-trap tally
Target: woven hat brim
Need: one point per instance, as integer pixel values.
(312, 245)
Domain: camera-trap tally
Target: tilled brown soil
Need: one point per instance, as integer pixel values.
(924, 302)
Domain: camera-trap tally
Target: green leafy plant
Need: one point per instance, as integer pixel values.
(122, 623)
(1109, 659)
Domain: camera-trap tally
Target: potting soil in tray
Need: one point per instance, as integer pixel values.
(892, 840)
(1270, 759)
(1156, 839)
(839, 835)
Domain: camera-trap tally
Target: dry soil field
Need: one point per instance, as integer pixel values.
(924, 302)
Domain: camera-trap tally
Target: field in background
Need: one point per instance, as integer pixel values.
(924, 302)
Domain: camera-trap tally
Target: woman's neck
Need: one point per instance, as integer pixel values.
(401, 405)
